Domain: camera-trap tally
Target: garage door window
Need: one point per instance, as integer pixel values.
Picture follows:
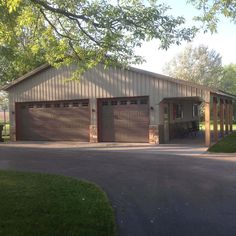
(114, 103)
(85, 104)
(143, 101)
(123, 102)
(105, 103)
(39, 105)
(133, 102)
(75, 104)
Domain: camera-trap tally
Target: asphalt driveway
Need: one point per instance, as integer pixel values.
(153, 192)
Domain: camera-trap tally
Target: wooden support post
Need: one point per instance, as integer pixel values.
(215, 118)
(207, 125)
(222, 117)
(226, 116)
(231, 116)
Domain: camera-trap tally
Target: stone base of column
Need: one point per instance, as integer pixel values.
(153, 134)
(93, 134)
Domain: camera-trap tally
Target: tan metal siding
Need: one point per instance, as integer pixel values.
(51, 85)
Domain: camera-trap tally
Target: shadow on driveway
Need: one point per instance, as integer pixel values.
(153, 192)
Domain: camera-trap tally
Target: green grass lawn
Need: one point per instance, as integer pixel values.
(40, 204)
(227, 144)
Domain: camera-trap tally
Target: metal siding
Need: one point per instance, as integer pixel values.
(155, 97)
(98, 83)
(136, 84)
(151, 100)
(165, 89)
(160, 89)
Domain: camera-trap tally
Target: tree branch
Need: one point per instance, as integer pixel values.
(64, 12)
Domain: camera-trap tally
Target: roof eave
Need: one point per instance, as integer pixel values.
(25, 76)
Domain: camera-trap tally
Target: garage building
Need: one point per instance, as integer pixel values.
(111, 105)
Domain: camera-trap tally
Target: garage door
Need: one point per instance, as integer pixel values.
(123, 119)
(59, 120)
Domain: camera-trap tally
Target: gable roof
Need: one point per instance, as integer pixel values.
(26, 76)
(140, 71)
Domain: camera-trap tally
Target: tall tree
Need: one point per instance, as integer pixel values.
(213, 10)
(200, 65)
(228, 82)
(14, 62)
(84, 31)
(3, 101)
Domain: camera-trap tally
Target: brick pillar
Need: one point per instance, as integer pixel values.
(93, 134)
(93, 129)
(153, 134)
(13, 133)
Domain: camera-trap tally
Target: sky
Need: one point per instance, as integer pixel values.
(223, 41)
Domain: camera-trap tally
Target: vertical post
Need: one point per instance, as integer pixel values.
(5, 122)
(222, 117)
(226, 117)
(215, 118)
(207, 124)
(93, 128)
(230, 116)
(166, 123)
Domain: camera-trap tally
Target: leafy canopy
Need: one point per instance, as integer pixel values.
(212, 10)
(3, 101)
(200, 65)
(83, 31)
(228, 82)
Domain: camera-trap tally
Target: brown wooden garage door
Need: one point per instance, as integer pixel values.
(123, 119)
(59, 120)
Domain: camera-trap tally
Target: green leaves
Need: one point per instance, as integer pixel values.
(228, 82)
(200, 65)
(85, 32)
(212, 10)
(3, 101)
(12, 5)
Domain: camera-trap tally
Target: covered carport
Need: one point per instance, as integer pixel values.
(196, 120)
(180, 119)
(221, 112)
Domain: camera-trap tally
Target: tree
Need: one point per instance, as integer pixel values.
(14, 63)
(83, 31)
(3, 101)
(228, 82)
(200, 65)
(212, 10)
